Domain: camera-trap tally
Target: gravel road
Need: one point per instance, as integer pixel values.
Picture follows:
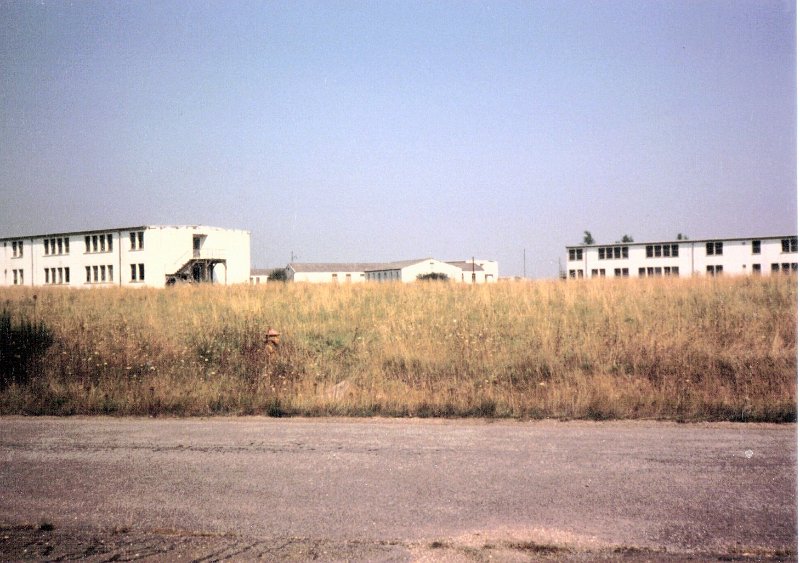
(398, 490)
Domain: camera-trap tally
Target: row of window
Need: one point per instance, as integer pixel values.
(98, 243)
(656, 271)
(711, 270)
(613, 252)
(93, 243)
(58, 245)
(100, 273)
(576, 254)
(62, 276)
(789, 244)
(659, 250)
(19, 277)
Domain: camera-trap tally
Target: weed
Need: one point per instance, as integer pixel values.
(678, 349)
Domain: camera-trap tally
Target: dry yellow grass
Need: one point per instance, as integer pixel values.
(699, 349)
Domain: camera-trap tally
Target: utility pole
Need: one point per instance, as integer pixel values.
(524, 266)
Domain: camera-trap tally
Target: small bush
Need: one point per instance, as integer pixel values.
(433, 276)
(21, 344)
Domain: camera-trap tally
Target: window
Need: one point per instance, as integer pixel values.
(102, 243)
(335, 277)
(613, 252)
(16, 249)
(102, 273)
(141, 271)
(95, 274)
(88, 274)
(620, 272)
(785, 267)
(756, 244)
(598, 273)
(109, 243)
(576, 254)
(789, 244)
(714, 248)
(715, 270)
(56, 246)
(757, 269)
(110, 272)
(19, 277)
(47, 275)
(348, 277)
(576, 273)
(659, 250)
(137, 240)
(87, 241)
(66, 274)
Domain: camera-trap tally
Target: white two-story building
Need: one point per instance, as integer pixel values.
(152, 256)
(684, 258)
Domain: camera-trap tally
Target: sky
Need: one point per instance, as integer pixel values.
(339, 131)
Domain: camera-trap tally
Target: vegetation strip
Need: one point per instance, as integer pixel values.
(699, 349)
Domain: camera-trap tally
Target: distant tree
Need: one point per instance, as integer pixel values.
(278, 274)
(588, 238)
(627, 238)
(433, 276)
(681, 236)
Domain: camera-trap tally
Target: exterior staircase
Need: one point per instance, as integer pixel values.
(197, 268)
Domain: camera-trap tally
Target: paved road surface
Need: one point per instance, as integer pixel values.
(333, 489)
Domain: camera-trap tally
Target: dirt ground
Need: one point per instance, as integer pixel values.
(103, 489)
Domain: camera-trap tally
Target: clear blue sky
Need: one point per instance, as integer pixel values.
(381, 130)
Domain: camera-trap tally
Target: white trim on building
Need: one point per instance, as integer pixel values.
(143, 256)
(684, 258)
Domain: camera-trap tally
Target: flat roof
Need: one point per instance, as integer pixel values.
(683, 241)
(113, 229)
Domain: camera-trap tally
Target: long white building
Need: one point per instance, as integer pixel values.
(468, 271)
(684, 258)
(144, 256)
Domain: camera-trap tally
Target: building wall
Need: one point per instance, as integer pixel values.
(112, 258)
(737, 257)
(328, 277)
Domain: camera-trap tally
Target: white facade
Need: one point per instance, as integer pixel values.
(328, 272)
(485, 271)
(478, 271)
(684, 258)
(145, 256)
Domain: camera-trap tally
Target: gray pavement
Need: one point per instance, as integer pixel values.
(390, 489)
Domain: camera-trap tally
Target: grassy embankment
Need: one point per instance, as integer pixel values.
(700, 349)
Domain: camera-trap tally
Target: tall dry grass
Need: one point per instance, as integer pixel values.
(699, 349)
